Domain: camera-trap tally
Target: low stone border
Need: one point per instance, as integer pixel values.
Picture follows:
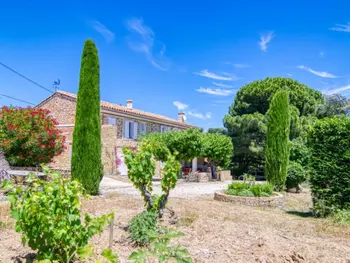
(277, 200)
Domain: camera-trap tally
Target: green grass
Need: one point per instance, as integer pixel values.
(244, 189)
(342, 217)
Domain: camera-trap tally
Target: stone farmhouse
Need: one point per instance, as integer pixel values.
(121, 125)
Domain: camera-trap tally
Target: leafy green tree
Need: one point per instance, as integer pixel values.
(277, 140)
(335, 105)
(246, 122)
(218, 149)
(222, 131)
(248, 133)
(86, 154)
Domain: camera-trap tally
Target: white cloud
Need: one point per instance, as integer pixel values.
(222, 85)
(264, 40)
(318, 73)
(321, 54)
(337, 90)
(180, 106)
(341, 27)
(223, 76)
(289, 75)
(147, 43)
(103, 30)
(198, 115)
(241, 65)
(215, 92)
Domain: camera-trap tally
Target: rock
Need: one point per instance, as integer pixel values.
(4, 165)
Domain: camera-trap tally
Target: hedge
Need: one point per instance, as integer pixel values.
(329, 140)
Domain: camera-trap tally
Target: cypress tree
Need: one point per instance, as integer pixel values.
(277, 140)
(86, 166)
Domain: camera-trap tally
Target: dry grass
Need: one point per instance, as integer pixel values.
(222, 232)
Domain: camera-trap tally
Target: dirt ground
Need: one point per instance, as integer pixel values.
(219, 232)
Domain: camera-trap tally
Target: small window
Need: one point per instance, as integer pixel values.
(143, 128)
(112, 121)
(130, 129)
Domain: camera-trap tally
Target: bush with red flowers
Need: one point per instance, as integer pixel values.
(28, 136)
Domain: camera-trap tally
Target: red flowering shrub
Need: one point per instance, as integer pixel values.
(29, 136)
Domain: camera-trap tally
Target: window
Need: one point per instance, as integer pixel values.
(143, 128)
(112, 121)
(130, 129)
(164, 128)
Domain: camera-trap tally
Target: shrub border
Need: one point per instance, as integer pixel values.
(277, 200)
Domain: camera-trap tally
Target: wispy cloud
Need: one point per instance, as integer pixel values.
(198, 115)
(211, 75)
(337, 90)
(318, 73)
(103, 30)
(180, 106)
(143, 40)
(289, 75)
(215, 92)
(266, 39)
(321, 54)
(237, 65)
(341, 27)
(219, 84)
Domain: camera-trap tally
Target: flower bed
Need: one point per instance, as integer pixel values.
(276, 200)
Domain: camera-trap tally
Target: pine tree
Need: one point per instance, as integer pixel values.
(86, 166)
(277, 140)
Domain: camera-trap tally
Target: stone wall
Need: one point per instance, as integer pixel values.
(4, 165)
(62, 109)
(276, 200)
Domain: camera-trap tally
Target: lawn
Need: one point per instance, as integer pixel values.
(218, 232)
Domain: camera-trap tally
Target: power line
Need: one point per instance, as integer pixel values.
(28, 79)
(16, 99)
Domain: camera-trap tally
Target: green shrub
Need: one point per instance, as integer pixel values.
(86, 162)
(277, 140)
(329, 141)
(48, 216)
(141, 225)
(296, 176)
(160, 251)
(246, 189)
(342, 217)
(262, 189)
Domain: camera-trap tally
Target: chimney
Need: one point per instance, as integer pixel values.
(181, 116)
(129, 104)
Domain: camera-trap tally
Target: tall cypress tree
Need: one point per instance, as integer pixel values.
(277, 140)
(86, 166)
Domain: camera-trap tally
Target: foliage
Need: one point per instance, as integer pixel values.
(249, 189)
(218, 149)
(29, 136)
(86, 152)
(246, 121)
(299, 152)
(248, 137)
(257, 95)
(335, 105)
(141, 225)
(184, 145)
(161, 250)
(222, 131)
(342, 217)
(329, 141)
(48, 216)
(277, 140)
(296, 176)
(141, 168)
(87, 254)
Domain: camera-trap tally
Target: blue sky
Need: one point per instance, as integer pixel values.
(187, 55)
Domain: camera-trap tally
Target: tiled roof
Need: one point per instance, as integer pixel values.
(123, 109)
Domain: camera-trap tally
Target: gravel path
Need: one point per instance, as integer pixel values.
(182, 189)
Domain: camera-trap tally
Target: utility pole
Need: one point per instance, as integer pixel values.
(56, 84)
